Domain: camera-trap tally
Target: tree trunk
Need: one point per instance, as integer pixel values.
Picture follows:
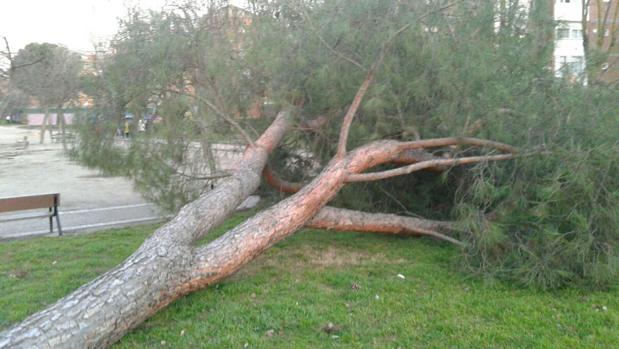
(208, 156)
(62, 124)
(102, 311)
(44, 125)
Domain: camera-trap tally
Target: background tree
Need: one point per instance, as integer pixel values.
(600, 20)
(11, 98)
(53, 81)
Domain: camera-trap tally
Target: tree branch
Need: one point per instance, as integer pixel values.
(219, 113)
(412, 153)
(458, 141)
(341, 219)
(278, 183)
(352, 110)
(329, 47)
(228, 119)
(375, 176)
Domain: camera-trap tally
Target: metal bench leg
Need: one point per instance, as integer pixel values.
(57, 220)
(51, 222)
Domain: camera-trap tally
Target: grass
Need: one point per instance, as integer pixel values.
(286, 298)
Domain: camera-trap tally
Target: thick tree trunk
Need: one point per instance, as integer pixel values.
(102, 311)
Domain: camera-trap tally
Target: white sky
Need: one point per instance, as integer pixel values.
(76, 24)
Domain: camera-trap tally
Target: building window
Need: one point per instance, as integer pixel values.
(576, 34)
(563, 33)
(564, 1)
(576, 65)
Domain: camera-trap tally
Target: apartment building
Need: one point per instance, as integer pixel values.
(569, 50)
(589, 33)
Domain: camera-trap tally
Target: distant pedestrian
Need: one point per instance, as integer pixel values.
(127, 129)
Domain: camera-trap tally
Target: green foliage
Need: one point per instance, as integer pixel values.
(555, 220)
(47, 72)
(301, 284)
(36, 272)
(175, 67)
(547, 219)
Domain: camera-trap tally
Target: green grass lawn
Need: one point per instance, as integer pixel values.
(286, 298)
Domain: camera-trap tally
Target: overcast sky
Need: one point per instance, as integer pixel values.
(76, 24)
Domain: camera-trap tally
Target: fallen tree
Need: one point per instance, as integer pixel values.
(555, 215)
(171, 264)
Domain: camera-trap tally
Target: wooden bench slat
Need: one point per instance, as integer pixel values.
(29, 202)
(2, 220)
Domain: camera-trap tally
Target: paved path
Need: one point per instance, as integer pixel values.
(89, 200)
(80, 220)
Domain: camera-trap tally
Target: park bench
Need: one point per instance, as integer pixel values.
(59, 137)
(33, 202)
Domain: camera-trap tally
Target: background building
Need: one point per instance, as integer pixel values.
(569, 50)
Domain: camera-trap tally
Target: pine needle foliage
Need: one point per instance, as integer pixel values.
(547, 219)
